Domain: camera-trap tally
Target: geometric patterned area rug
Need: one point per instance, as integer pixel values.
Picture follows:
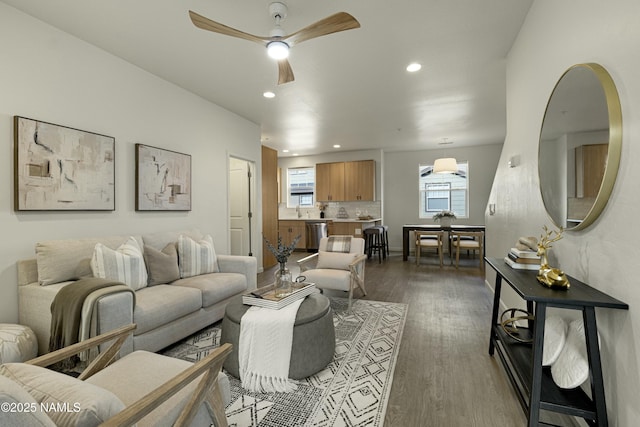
(352, 390)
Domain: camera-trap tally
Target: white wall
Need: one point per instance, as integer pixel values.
(401, 185)
(51, 76)
(556, 35)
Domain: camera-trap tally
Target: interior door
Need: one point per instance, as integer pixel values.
(240, 181)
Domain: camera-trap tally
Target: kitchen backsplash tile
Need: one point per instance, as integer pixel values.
(353, 209)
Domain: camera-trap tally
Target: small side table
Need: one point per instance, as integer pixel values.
(18, 343)
(532, 382)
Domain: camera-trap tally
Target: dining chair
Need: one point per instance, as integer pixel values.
(470, 241)
(429, 240)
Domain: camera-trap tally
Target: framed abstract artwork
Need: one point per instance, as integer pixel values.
(163, 180)
(57, 168)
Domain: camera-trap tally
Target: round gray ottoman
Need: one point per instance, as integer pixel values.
(314, 339)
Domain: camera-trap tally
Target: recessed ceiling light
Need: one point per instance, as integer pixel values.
(295, 154)
(336, 145)
(285, 151)
(413, 67)
(269, 94)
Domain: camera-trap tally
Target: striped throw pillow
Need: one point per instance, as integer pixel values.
(196, 257)
(125, 264)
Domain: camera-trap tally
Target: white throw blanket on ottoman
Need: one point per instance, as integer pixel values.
(264, 349)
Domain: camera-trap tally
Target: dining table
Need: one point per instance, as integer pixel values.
(408, 228)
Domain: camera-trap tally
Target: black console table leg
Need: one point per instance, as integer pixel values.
(494, 315)
(595, 365)
(536, 367)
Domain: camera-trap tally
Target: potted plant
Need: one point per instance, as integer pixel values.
(444, 218)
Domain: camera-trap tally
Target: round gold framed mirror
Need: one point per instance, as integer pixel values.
(580, 145)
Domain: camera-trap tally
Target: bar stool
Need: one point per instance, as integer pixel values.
(385, 239)
(373, 242)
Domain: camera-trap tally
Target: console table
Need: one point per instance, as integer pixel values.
(406, 229)
(533, 383)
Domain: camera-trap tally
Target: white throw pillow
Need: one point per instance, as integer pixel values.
(196, 258)
(335, 260)
(72, 402)
(125, 264)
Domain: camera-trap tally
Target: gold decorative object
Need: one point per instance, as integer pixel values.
(550, 276)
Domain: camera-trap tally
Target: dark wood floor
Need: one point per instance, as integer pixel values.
(444, 375)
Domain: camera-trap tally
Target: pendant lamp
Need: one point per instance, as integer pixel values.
(445, 165)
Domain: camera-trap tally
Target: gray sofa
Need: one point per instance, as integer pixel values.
(163, 313)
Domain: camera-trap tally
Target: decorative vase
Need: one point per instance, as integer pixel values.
(283, 282)
(321, 214)
(445, 222)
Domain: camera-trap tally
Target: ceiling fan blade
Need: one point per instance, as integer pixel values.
(209, 25)
(285, 73)
(341, 21)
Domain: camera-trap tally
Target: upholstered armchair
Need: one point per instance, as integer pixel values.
(338, 265)
(142, 388)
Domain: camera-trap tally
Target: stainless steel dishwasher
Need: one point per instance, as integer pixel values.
(316, 230)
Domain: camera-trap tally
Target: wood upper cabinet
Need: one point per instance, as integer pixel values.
(359, 180)
(330, 182)
(345, 181)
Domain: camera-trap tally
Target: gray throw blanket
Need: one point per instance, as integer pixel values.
(339, 244)
(66, 309)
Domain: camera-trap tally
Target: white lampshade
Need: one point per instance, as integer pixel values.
(445, 165)
(278, 50)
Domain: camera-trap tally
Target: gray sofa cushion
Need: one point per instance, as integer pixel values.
(62, 260)
(215, 287)
(162, 304)
(162, 266)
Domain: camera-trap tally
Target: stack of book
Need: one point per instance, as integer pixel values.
(522, 260)
(266, 297)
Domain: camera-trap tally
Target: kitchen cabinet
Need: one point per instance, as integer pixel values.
(330, 182)
(345, 181)
(591, 162)
(359, 180)
(289, 230)
(350, 228)
(345, 229)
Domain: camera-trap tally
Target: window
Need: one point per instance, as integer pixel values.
(300, 187)
(444, 191)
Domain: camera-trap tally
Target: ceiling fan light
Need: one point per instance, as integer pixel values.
(445, 165)
(278, 50)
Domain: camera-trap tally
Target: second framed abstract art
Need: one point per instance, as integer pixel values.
(163, 179)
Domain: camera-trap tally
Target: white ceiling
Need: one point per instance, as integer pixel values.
(351, 88)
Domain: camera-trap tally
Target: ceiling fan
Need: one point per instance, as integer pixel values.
(277, 42)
